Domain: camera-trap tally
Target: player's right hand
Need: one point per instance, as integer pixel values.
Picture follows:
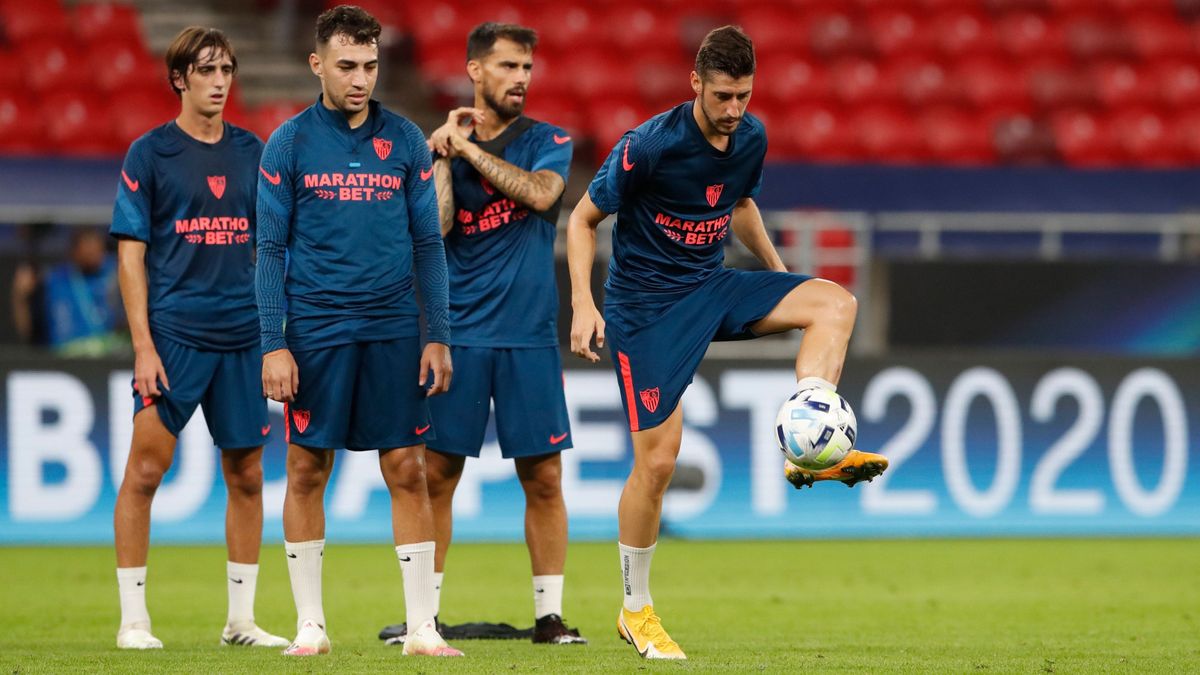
(458, 126)
(148, 371)
(280, 376)
(586, 323)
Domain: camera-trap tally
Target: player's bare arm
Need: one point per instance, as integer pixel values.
(443, 184)
(537, 190)
(436, 359)
(749, 228)
(586, 320)
(148, 368)
(280, 376)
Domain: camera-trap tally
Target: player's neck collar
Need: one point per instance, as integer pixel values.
(337, 119)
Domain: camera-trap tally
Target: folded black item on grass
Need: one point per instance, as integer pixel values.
(478, 630)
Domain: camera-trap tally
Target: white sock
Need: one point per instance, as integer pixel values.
(635, 569)
(437, 592)
(242, 579)
(416, 566)
(131, 584)
(304, 569)
(547, 595)
(812, 382)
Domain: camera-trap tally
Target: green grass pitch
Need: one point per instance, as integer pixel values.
(992, 606)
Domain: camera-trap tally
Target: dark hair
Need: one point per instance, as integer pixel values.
(185, 50)
(725, 50)
(352, 21)
(483, 37)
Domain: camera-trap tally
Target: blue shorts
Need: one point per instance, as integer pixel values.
(360, 396)
(226, 385)
(656, 347)
(527, 387)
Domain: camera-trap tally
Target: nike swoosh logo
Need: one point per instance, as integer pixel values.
(273, 180)
(541, 590)
(555, 440)
(293, 555)
(236, 581)
(561, 139)
(405, 559)
(426, 173)
(266, 430)
(625, 163)
(131, 184)
(141, 583)
(421, 430)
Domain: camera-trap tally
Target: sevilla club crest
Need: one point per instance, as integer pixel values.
(217, 185)
(383, 148)
(650, 398)
(301, 417)
(713, 193)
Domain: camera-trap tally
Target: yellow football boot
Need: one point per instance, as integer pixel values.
(644, 631)
(856, 466)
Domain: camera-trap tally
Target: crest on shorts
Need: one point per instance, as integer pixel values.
(217, 185)
(300, 418)
(383, 148)
(713, 193)
(650, 398)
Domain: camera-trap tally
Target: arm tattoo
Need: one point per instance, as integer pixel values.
(536, 190)
(444, 185)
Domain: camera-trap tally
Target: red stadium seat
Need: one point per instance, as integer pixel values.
(265, 119)
(1177, 83)
(1184, 133)
(896, 31)
(662, 79)
(1130, 7)
(857, 81)
(445, 65)
(1155, 36)
(117, 64)
(964, 32)
(54, 65)
(604, 73)
(834, 33)
(957, 137)
(1083, 139)
(96, 21)
(439, 22)
(790, 78)
(390, 15)
(610, 119)
(1145, 138)
(921, 81)
(816, 132)
(24, 21)
(1029, 34)
(137, 111)
(989, 82)
(559, 111)
(1118, 84)
(1057, 84)
(772, 27)
(1021, 139)
(1094, 37)
(566, 26)
(635, 28)
(78, 123)
(11, 72)
(887, 134)
(22, 127)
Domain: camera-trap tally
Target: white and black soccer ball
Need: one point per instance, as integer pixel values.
(816, 428)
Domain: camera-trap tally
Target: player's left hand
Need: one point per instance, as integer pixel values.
(436, 358)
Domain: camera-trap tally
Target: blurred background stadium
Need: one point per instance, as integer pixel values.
(1009, 186)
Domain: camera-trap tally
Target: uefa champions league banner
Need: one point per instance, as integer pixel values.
(979, 446)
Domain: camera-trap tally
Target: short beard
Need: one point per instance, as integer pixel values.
(504, 112)
(713, 123)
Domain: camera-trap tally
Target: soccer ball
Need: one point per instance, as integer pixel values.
(816, 428)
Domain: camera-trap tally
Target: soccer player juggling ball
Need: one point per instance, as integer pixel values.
(679, 183)
(184, 216)
(346, 189)
(500, 182)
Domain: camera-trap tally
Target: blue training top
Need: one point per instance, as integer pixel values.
(193, 204)
(673, 194)
(353, 209)
(500, 254)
